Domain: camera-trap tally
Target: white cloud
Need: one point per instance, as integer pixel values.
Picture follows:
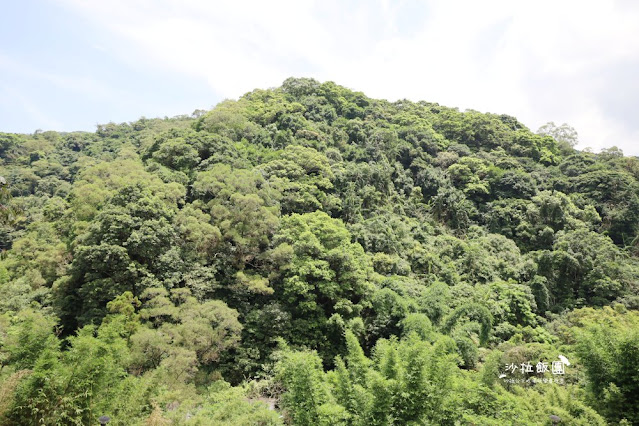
(539, 61)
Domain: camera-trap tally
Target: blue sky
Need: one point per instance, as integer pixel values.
(71, 64)
(58, 71)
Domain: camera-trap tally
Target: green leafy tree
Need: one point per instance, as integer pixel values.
(564, 134)
(306, 393)
(128, 247)
(610, 355)
(322, 273)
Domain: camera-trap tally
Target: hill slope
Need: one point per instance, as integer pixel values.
(355, 259)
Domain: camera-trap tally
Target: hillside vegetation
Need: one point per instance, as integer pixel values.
(345, 260)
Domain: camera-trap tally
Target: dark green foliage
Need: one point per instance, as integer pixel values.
(9, 144)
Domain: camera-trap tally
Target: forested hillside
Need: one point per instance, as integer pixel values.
(309, 255)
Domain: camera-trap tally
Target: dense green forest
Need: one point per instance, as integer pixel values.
(308, 255)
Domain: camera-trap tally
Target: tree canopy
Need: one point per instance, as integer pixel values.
(309, 255)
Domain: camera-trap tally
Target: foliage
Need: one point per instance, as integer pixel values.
(308, 255)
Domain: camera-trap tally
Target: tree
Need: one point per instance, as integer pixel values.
(564, 134)
(306, 393)
(474, 312)
(451, 207)
(242, 206)
(8, 212)
(610, 354)
(585, 267)
(304, 178)
(319, 273)
(72, 386)
(129, 246)
(183, 333)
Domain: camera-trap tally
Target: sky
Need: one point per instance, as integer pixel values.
(72, 64)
